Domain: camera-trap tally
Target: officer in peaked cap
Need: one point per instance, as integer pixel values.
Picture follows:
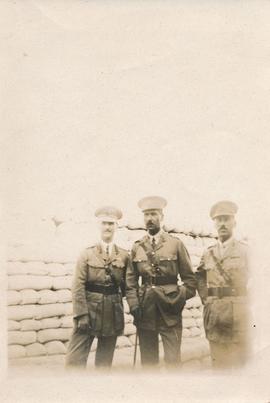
(155, 299)
(222, 208)
(222, 278)
(97, 295)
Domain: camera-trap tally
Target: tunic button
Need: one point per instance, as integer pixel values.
(153, 253)
(152, 264)
(106, 267)
(169, 258)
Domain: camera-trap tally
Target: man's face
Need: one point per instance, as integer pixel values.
(152, 220)
(224, 225)
(107, 230)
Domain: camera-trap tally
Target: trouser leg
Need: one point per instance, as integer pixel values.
(219, 355)
(148, 340)
(171, 339)
(228, 355)
(78, 349)
(105, 351)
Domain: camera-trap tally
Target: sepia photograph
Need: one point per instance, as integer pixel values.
(135, 201)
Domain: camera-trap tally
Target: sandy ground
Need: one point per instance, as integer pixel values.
(124, 384)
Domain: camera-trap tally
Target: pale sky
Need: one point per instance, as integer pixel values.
(108, 103)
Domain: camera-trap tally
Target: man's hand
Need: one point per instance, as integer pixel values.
(83, 323)
(137, 315)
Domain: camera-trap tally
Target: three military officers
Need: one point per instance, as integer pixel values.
(158, 279)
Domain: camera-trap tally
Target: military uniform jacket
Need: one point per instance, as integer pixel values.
(226, 318)
(105, 311)
(170, 258)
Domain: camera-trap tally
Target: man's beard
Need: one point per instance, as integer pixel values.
(154, 229)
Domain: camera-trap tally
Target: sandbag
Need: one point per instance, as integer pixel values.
(62, 282)
(197, 303)
(126, 306)
(29, 297)
(195, 331)
(30, 324)
(46, 335)
(50, 323)
(67, 321)
(123, 341)
(64, 295)
(186, 333)
(29, 282)
(186, 313)
(129, 329)
(35, 349)
(194, 302)
(16, 351)
(195, 260)
(196, 313)
(199, 322)
(50, 310)
(55, 347)
(47, 297)
(13, 268)
(94, 345)
(21, 312)
(13, 297)
(36, 268)
(68, 308)
(132, 339)
(22, 338)
(128, 318)
(69, 268)
(56, 269)
(189, 322)
(14, 325)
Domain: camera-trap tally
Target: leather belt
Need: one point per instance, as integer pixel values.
(227, 292)
(102, 289)
(159, 280)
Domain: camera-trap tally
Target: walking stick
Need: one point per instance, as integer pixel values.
(135, 349)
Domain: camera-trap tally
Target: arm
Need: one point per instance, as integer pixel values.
(78, 287)
(185, 270)
(201, 281)
(123, 281)
(132, 284)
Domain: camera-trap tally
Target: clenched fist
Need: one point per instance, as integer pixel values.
(83, 323)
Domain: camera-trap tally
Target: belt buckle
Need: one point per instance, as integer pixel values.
(153, 285)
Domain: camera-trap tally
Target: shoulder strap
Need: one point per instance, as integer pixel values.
(222, 272)
(148, 254)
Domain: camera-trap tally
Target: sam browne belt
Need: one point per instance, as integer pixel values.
(102, 289)
(227, 292)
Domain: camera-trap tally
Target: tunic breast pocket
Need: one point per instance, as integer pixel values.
(142, 265)
(96, 274)
(167, 265)
(235, 262)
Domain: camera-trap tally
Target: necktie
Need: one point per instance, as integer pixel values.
(107, 251)
(154, 243)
